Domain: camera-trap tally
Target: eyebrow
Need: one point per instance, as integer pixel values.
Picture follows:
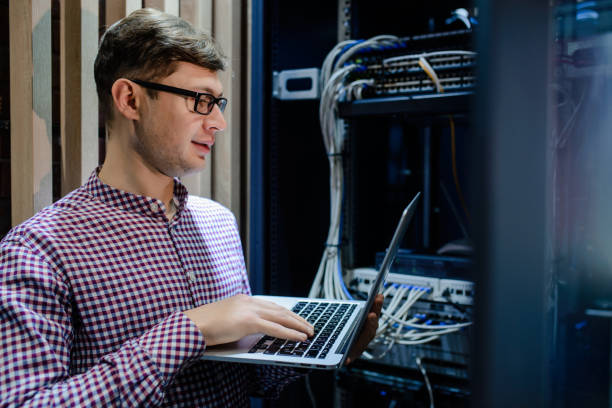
(208, 90)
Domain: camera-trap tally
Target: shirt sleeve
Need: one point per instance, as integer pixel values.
(36, 334)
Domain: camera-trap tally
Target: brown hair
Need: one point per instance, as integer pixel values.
(146, 45)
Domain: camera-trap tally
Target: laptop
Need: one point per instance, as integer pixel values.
(337, 323)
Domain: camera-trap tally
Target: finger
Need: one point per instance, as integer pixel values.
(365, 337)
(288, 320)
(368, 332)
(272, 311)
(300, 319)
(271, 306)
(277, 330)
(378, 304)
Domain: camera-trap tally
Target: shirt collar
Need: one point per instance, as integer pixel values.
(132, 202)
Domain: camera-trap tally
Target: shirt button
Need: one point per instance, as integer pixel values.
(191, 277)
(154, 207)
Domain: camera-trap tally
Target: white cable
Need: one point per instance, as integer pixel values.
(385, 39)
(429, 389)
(329, 279)
(412, 323)
(415, 342)
(463, 15)
(355, 87)
(389, 312)
(414, 295)
(416, 335)
(447, 326)
(385, 351)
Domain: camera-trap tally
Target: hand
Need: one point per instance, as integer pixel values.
(233, 318)
(368, 332)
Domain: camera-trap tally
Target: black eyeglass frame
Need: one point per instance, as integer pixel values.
(220, 102)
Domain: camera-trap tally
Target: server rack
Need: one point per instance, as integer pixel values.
(290, 187)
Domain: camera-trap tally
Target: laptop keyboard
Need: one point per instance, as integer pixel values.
(328, 320)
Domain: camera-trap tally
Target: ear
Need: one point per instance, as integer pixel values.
(127, 98)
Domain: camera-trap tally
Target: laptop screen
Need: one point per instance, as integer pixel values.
(400, 230)
(384, 267)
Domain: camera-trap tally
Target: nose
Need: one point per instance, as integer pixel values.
(215, 120)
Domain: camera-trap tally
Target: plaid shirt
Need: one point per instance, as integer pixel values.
(91, 294)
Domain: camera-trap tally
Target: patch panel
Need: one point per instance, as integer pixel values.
(448, 355)
(423, 85)
(440, 64)
(441, 290)
(395, 69)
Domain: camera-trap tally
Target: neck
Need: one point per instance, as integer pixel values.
(130, 173)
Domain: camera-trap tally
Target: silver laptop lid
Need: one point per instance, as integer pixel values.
(391, 253)
(400, 230)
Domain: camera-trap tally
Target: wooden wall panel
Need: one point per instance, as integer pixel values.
(30, 79)
(117, 9)
(247, 54)
(79, 102)
(156, 4)
(226, 162)
(31, 90)
(200, 14)
(131, 5)
(172, 7)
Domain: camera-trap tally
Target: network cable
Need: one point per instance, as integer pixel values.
(427, 383)
(329, 281)
(396, 325)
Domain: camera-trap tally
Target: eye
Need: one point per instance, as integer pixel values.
(205, 103)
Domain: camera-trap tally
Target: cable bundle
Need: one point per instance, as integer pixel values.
(329, 282)
(395, 325)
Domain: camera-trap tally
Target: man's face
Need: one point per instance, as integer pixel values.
(172, 138)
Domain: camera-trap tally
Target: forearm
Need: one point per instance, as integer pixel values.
(135, 375)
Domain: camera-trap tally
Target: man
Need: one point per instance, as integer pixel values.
(109, 296)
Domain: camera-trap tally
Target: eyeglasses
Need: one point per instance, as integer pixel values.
(204, 102)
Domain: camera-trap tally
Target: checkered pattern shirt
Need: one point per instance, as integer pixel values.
(91, 294)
